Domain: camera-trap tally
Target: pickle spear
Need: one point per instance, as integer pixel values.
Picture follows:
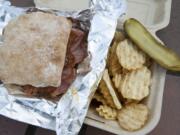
(147, 43)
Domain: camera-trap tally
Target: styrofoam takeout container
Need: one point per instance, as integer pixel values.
(155, 15)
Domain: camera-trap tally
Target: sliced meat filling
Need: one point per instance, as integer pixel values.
(76, 52)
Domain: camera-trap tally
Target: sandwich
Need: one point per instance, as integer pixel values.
(40, 53)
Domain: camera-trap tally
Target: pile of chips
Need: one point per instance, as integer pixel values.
(125, 83)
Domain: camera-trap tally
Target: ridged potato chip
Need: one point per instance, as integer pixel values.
(117, 80)
(107, 112)
(135, 84)
(105, 92)
(113, 62)
(125, 71)
(119, 36)
(129, 56)
(99, 97)
(130, 101)
(133, 116)
(113, 48)
(111, 89)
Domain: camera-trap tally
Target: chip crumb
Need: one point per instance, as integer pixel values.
(107, 112)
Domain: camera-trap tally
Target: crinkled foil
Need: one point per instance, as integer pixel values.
(67, 115)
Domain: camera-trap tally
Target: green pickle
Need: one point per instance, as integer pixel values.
(147, 43)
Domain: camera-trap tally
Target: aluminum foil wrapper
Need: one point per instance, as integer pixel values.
(67, 115)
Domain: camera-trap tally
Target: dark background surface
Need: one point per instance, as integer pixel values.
(170, 119)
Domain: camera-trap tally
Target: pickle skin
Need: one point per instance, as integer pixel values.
(147, 43)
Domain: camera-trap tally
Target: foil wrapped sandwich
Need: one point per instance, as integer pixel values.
(43, 56)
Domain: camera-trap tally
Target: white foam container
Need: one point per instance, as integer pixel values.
(155, 15)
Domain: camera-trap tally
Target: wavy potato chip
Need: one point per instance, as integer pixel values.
(125, 71)
(129, 56)
(117, 80)
(135, 84)
(112, 91)
(108, 92)
(119, 36)
(105, 92)
(113, 62)
(99, 97)
(130, 101)
(133, 116)
(107, 112)
(117, 83)
(113, 48)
